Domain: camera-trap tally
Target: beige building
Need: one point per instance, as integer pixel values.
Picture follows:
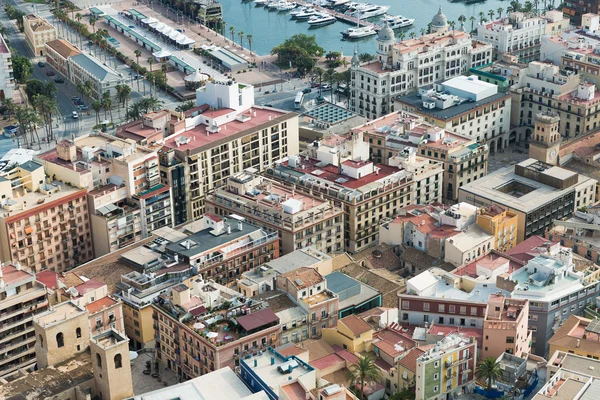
(301, 220)
(7, 80)
(58, 52)
(339, 169)
(464, 159)
(218, 143)
(112, 369)
(38, 32)
(505, 327)
(21, 298)
(44, 223)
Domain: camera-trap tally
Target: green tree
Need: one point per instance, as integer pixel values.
(185, 106)
(300, 50)
(9, 105)
(47, 108)
(241, 35)
(22, 68)
(472, 19)
(491, 13)
(481, 17)
(362, 373)
(232, 33)
(97, 106)
(489, 371)
(138, 54)
(107, 104)
(150, 61)
(366, 57)
(249, 39)
(404, 394)
(35, 87)
(500, 10)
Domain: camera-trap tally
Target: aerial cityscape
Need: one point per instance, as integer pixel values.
(299, 200)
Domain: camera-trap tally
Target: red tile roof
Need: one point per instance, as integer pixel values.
(409, 361)
(528, 249)
(11, 275)
(101, 304)
(89, 286)
(327, 361)
(48, 279)
(345, 354)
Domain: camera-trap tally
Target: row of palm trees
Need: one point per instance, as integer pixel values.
(240, 34)
(366, 372)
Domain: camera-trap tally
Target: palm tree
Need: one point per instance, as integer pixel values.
(462, 19)
(528, 7)
(451, 24)
(10, 106)
(472, 19)
(232, 32)
(401, 35)
(319, 72)
(364, 372)
(241, 35)
(107, 104)
(151, 79)
(249, 39)
(150, 61)
(78, 17)
(47, 107)
(134, 113)
(412, 34)
(92, 21)
(97, 106)
(489, 370)
(491, 13)
(481, 17)
(499, 11)
(164, 68)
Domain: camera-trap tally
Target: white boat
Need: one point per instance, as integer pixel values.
(359, 33)
(337, 3)
(260, 2)
(286, 6)
(272, 5)
(321, 20)
(308, 13)
(370, 12)
(397, 21)
(297, 11)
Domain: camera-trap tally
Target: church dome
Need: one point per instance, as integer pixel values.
(386, 33)
(439, 20)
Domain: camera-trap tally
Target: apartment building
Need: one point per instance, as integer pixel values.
(339, 169)
(579, 233)
(7, 81)
(501, 224)
(300, 219)
(58, 51)
(538, 193)
(578, 12)
(577, 335)
(44, 223)
(308, 288)
(403, 67)
(221, 248)
(546, 88)
(172, 174)
(193, 341)
(21, 298)
(447, 368)
(505, 327)
(225, 135)
(470, 244)
(464, 160)
(85, 67)
(116, 219)
(518, 34)
(467, 106)
(503, 73)
(38, 32)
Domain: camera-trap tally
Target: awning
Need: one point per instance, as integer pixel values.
(196, 77)
(159, 26)
(185, 40)
(28, 229)
(162, 54)
(173, 35)
(149, 20)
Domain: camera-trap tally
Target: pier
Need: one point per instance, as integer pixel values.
(338, 15)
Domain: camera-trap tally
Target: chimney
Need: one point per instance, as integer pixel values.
(269, 117)
(578, 343)
(240, 226)
(254, 113)
(228, 229)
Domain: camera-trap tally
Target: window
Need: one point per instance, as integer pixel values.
(118, 361)
(98, 360)
(463, 309)
(405, 304)
(425, 306)
(441, 308)
(78, 332)
(510, 339)
(60, 339)
(452, 309)
(435, 389)
(436, 377)
(41, 340)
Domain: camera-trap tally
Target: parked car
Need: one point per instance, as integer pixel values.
(58, 79)
(50, 73)
(75, 98)
(41, 64)
(326, 86)
(75, 115)
(268, 105)
(83, 107)
(79, 102)
(314, 85)
(306, 90)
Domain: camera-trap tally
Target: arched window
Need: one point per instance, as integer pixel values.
(41, 341)
(118, 361)
(98, 360)
(60, 339)
(78, 332)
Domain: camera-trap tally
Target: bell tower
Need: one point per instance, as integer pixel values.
(544, 142)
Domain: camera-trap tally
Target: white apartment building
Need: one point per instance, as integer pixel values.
(7, 81)
(84, 67)
(467, 106)
(38, 32)
(403, 67)
(518, 34)
(224, 135)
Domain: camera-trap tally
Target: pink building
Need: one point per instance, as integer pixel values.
(505, 327)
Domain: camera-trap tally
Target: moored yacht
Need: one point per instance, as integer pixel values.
(359, 32)
(308, 13)
(397, 21)
(370, 12)
(321, 20)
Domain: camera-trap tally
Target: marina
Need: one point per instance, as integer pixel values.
(271, 28)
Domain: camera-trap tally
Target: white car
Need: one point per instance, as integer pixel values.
(75, 115)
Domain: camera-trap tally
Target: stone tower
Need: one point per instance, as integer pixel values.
(385, 43)
(544, 142)
(61, 332)
(111, 364)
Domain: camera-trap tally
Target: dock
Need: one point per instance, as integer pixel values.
(339, 16)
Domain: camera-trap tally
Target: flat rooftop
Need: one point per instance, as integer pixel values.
(330, 113)
(198, 139)
(267, 368)
(210, 386)
(454, 111)
(59, 313)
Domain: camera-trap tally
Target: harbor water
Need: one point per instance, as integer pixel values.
(270, 28)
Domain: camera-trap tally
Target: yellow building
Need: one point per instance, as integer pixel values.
(403, 375)
(38, 32)
(577, 336)
(139, 325)
(351, 333)
(501, 224)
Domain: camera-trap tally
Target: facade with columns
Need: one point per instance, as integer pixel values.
(403, 67)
